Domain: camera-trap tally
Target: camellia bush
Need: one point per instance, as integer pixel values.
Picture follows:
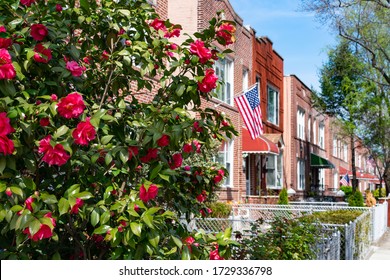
(100, 156)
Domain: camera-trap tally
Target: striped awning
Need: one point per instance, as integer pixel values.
(260, 145)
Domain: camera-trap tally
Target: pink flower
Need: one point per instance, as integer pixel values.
(8, 192)
(177, 161)
(225, 32)
(71, 106)
(158, 24)
(105, 55)
(147, 194)
(163, 141)
(187, 168)
(175, 32)
(217, 179)
(58, 8)
(7, 147)
(84, 133)
(44, 122)
(136, 208)
(221, 172)
(203, 213)
(133, 151)
(225, 123)
(201, 51)
(75, 208)
(7, 70)
(28, 202)
(214, 255)
(42, 54)
(5, 43)
(197, 145)
(38, 31)
(44, 231)
(202, 197)
(74, 68)
(196, 127)
(5, 126)
(44, 144)
(53, 97)
(189, 240)
(27, 3)
(209, 82)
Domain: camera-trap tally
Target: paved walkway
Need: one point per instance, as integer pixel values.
(381, 250)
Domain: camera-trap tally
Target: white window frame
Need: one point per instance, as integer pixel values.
(309, 129)
(245, 79)
(321, 179)
(321, 135)
(315, 132)
(336, 180)
(274, 171)
(345, 152)
(301, 123)
(224, 68)
(226, 158)
(300, 174)
(335, 141)
(273, 112)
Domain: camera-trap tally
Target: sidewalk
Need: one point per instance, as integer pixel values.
(381, 250)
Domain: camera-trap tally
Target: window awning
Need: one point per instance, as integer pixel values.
(260, 145)
(320, 162)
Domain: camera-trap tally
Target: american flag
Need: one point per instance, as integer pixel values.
(371, 161)
(345, 180)
(248, 104)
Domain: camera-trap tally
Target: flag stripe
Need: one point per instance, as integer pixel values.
(248, 105)
(345, 180)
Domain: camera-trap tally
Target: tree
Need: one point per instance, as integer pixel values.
(87, 170)
(342, 87)
(362, 22)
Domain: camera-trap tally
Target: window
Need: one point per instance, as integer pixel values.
(336, 180)
(224, 71)
(321, 135)
(345, 152)
(273, 106)
(335, 147)
(245, 79)
(314, 132)
(321, 178)
(301, 174)
(309, 129)
(225, 157)
(274, 171)
(301, 124)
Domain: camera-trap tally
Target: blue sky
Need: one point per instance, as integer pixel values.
(296, 36)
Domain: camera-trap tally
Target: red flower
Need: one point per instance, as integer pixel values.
(42, 54)
(203, 213)
(58, 8)
(177, 161)
(38, 31)
(7, 70)
(225, 31)
(187, 148)
(163, 141)
(221, 172)
(214, 255)
(52, 155)
(5, 126)
(74, 68)
(202, 197)
(175, 32)
(53, 97)
(187, 168)
(105, 55)
(147, 194)
(201, 51)
(158, 24)
(44, 231)
(84, 133)
(7, 147)
(28, 202)
(196, 127)
(27, 3)
(133, 151)
(8, 192)
(75, 208)
(71, 106)
(5, 43)
(189, 240)
(152, 154)
(209, 82)
(197, 145)
(218, 178)
(44, 122)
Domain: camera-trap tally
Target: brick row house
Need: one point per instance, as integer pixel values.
(301, 149)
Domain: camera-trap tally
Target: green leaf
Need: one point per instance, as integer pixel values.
(124, 12)
(102, 229)
(154, 238)
(106, 139)
(148, 219)
(155, 171)
(95, 120)
(136, 228)
(72, 190)
(124, 53)
(105, 217)
(164, 177)
(108, 158)
(95, 217)
(34, 226)
(177, 241)
(63, 206)
(49, 198)
(3, 164)
(83, 195)
(180, 90)
(60, 131)
(186, 255)
(17, 190)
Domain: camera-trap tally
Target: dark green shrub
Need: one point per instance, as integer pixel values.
(283, 197)
(356, 199)
(285, 239)
(347, 190)
(380, 192)
(337, 217)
